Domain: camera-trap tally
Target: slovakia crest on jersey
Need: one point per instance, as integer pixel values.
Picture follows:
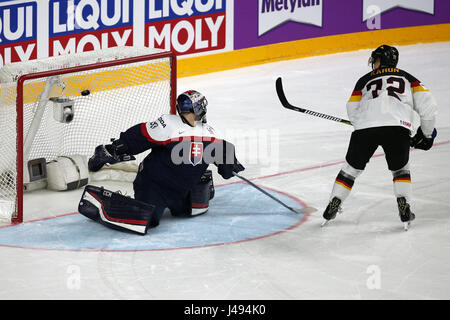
(196, 152)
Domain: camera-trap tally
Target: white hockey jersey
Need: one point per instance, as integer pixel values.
(170, 127)
(389, 97)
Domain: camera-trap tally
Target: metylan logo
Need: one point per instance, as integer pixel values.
(272, 13)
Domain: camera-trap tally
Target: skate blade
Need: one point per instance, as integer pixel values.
(306, 210)
(303, 210)
(324, 223)
(406, 225)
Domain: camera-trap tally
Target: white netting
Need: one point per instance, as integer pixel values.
(119, 97)
(11, 72)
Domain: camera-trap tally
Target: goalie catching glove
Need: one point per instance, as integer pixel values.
(109, 153)
(419, 141)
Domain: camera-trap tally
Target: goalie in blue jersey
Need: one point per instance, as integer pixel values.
(173, 177)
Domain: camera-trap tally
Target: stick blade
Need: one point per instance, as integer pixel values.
(282, 97)
(280, 92)
(304, 210)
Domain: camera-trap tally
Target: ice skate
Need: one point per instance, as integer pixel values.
(331, 211)
(406, 216)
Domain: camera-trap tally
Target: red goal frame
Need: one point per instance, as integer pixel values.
(18, 218)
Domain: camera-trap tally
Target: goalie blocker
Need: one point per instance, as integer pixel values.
(125, 213)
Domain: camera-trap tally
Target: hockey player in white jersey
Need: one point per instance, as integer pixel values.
(381, 110)
(172, 177)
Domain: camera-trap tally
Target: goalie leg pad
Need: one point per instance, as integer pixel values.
(115, 210)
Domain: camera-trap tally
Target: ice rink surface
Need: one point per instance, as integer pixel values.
(363, 254)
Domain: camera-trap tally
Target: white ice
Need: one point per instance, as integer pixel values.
(363, 254)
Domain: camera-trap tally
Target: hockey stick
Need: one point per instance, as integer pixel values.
(295, 210)
(287, 105)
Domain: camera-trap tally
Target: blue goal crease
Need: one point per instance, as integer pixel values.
(250, 215)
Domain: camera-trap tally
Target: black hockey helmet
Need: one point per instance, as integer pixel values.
(192, 101)
(388, 56)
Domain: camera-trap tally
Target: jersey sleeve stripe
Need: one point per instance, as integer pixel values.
(356, 96)
(144, 130)
(417, 87)
(146, 134)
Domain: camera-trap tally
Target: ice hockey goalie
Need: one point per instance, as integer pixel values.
(173, 177)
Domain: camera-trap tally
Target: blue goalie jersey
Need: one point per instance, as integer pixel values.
(179, 156)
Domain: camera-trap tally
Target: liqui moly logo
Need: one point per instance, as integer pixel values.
(18, 31)
(185, 26)
(83, 25)
(85, 15)
(376, 7)
(272, 13)
(196, 151)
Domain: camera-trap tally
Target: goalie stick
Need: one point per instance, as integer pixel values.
(287, 105)
(295, 210)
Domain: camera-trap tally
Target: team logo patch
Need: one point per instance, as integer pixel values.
(196, 152)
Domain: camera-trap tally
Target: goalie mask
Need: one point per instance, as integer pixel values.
(192, 101)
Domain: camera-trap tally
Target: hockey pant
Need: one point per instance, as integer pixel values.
(191, 203)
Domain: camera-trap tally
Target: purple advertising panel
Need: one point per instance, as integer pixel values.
(263, 22)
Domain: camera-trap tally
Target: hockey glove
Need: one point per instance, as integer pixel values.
(228, 163)
(110, 153)
(419, 141)
(226, 170)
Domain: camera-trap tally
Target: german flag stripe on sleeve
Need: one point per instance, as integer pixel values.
(417, 87)
(356, 96)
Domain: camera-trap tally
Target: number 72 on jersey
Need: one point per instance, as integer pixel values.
(394, 86)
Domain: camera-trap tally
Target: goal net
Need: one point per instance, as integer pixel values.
(67, 105)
